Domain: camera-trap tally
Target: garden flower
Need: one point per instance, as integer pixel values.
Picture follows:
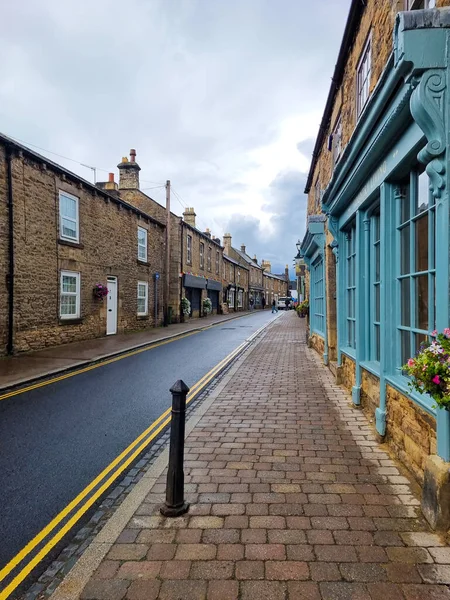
(434, 333)
(411, 362)
(447, 332)
(436, 379)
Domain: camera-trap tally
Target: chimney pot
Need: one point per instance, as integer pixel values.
(111, 178)
(243, 248)
(133, 155)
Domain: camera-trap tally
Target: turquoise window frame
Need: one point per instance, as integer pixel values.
(351, 288)
(374, 251)
(410, 274)
(318, 295)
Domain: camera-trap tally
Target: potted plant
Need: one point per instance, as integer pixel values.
(207, 306)
(185, 307)
(100, 291)
(303, 309)
(429, 369)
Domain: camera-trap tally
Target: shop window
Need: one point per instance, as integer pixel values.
(350, 286)
(318, 297)
(231, 298)
(375, 285)
(240, 299)
(415, 264)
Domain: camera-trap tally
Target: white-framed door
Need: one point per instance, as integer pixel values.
(111, 306)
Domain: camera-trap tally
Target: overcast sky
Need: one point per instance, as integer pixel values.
(222, 97)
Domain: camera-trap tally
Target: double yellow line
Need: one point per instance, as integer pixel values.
(114, 470)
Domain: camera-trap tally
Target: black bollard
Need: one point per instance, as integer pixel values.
(175, 504)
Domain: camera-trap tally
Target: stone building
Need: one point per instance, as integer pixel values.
(62, 236)
(255, 285)
(196, 257)
(235, 284)
(275, 286)
(378, 219)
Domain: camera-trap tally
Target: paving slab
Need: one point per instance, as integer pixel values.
(302, 511)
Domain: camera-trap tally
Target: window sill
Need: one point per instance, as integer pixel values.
(70, 244)
(70, 321)
(142, 317)
(372, 366)
(350, 352)
(142, 262)
(423, 401)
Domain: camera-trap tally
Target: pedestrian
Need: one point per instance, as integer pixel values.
(274, 306)
(251, 302)
(263, 302)
(287, 303)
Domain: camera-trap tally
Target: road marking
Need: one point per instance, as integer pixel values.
(108, 361)
(148, 435)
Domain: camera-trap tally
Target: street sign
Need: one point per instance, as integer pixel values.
(156, 276)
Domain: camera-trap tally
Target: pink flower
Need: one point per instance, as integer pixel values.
(436, 379)
(434, 333)
(410, 362)
(447, 332)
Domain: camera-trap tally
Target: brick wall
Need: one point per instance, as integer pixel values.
(108, 246)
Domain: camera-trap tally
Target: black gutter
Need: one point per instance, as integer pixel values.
(356, 9)
(10, 343)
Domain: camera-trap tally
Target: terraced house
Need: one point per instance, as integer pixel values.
(377, 237)
(64, 242)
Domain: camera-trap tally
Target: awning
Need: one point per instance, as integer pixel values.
(194, 282)
(214, 285)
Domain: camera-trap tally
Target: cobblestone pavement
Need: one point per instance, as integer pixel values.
(292, 498)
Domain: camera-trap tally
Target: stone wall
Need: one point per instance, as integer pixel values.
(370, 392)
(317, 342)
(347, 372)
(4, 252)
(410, 431)
(107, 246)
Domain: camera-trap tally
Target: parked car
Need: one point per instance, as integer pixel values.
(282, 305)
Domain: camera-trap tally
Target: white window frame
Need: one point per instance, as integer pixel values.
(76, 221)
(415, 4)
(145, 298)
(363, 86)
(142, 248)
(202, 255)
(240, 299)
(189, 249)
(217, 262)
(209, 259)
(317, 192)
(77, 294)
(337, 140)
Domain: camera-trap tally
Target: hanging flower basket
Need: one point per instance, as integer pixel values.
(100, 291)
(185, 307)
(429, 369)
(207, 306)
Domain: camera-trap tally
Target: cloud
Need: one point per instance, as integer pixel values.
(306, 147)
(213, 95)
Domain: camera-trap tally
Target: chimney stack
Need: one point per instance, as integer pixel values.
(266, 265)
(129, 172)
(243, 248)
(110, 185)
(255, 260)
(207, 233)
(189, 216)
(227, 243)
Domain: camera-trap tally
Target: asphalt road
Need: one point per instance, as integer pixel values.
(56, 439)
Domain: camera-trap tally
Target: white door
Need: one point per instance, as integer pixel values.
(111, 313)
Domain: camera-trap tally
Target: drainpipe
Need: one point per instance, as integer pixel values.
(386, 333)
(359, 310)
(325, 299)
(10, 343)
